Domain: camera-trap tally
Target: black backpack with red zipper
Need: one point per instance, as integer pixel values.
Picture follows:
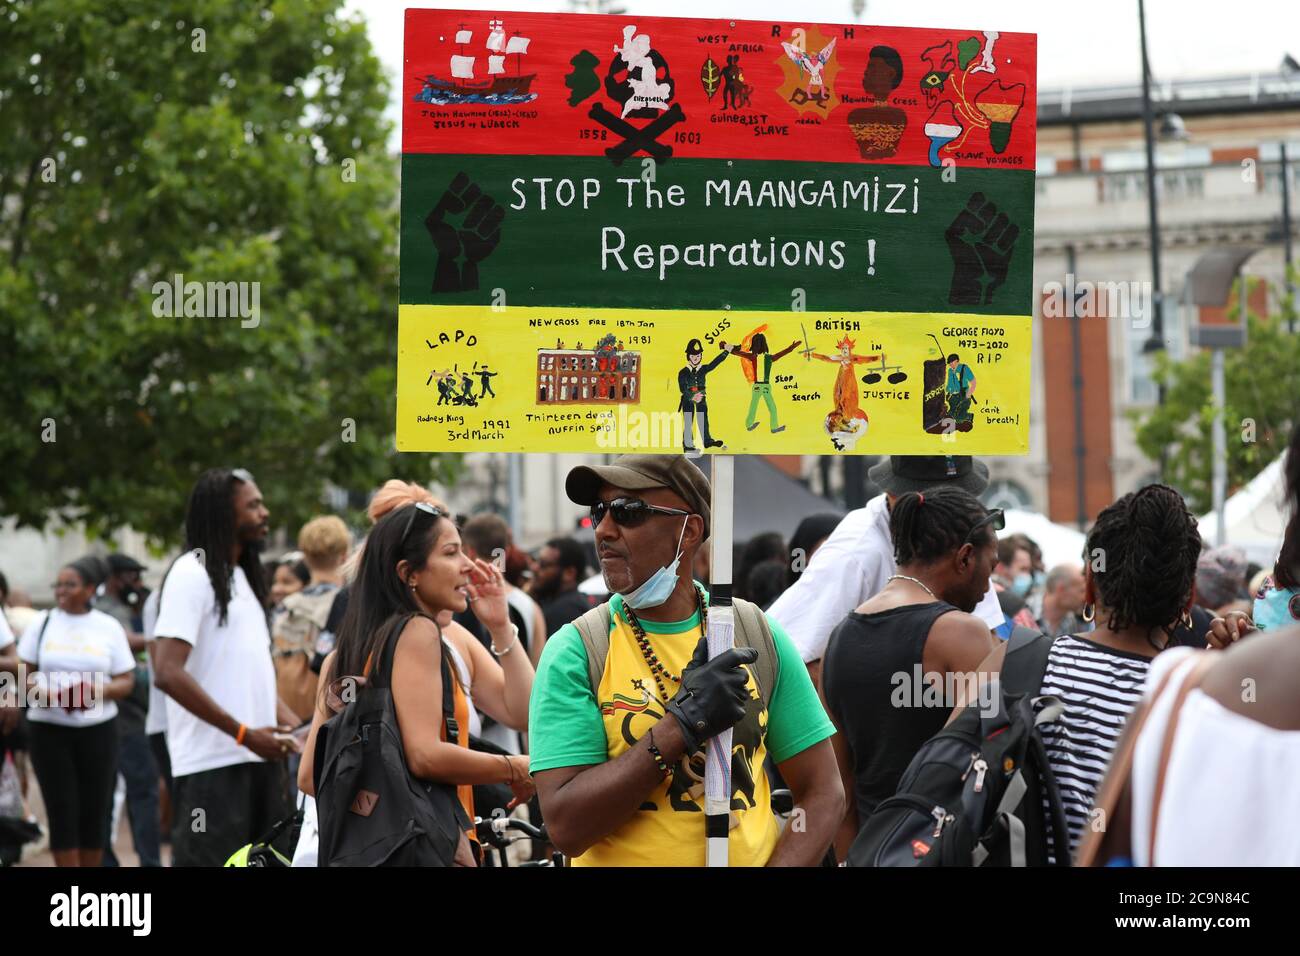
(974, 793)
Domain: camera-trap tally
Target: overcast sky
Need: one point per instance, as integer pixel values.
(1091, 42)
(1079, 44)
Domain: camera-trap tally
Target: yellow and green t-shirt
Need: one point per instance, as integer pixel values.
(569, 726)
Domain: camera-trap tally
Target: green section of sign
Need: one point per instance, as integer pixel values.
(745, 234)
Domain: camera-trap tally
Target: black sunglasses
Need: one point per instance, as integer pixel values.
(628, 512)
(995, 518)
(420, 507)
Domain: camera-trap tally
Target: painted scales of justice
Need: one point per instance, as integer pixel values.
(497, 87)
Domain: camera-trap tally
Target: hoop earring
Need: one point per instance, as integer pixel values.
(1186, 619)
(1088, 614)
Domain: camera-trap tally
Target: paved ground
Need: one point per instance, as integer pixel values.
(38, 854)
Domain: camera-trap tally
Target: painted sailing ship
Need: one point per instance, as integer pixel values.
(495, 85)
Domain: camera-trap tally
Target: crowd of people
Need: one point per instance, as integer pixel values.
(516, 684)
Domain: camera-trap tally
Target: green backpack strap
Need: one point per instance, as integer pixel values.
(593, 628)
(753, 630)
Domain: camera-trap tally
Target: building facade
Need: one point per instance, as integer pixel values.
(577, 376)
(1218, 185)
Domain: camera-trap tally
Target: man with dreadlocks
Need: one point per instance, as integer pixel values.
(855, 562)
(213, 661)
(920, 625)
(1139, 583)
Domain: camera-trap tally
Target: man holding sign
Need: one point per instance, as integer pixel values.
(619, 780)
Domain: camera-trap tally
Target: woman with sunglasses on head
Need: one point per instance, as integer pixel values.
(919, 626)
(78, 664)
(1139, 585)
(412, 570)
(496, 686)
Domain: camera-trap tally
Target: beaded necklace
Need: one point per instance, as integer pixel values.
(657, 668)
(908, 577)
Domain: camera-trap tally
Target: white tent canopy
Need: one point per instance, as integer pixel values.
(594, 586)
(1061, 544)
(1256, 516)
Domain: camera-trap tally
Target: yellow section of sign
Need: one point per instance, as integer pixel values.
(478, 378)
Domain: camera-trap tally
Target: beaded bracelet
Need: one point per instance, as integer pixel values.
(659, 757)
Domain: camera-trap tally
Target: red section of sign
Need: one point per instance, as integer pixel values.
(479, 82)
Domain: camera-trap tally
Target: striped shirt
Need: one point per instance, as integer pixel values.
(1100, 687)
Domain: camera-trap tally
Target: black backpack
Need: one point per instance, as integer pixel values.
(973, 794)
(372, 811)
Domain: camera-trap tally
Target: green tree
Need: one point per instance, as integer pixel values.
(226, 142)
(1262, 404)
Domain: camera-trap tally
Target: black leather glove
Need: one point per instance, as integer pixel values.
(712, 694)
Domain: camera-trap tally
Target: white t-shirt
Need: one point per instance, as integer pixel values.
(90, 643)
(155, 721)
(1228, 781)
(230, 661)
(308, 849)
(852, 565)
(527, 609)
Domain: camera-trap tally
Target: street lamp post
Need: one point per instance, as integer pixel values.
(1076, 387)
(1171, 127)
(1156, 342)
(1210, 282)
(1286, 235)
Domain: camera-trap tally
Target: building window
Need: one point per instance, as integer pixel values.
(1141, 384)
(1273, 176)
(1182, 184)
(1174, 184)
(1121, 187)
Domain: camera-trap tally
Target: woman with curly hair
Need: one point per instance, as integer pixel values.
(1139, 580)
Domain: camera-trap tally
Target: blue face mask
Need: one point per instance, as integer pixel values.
(660, 585)
(1021, 585)
(1277, 608)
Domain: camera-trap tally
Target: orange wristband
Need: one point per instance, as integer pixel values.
(239, 735)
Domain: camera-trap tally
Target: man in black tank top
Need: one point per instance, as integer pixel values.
(894, 666)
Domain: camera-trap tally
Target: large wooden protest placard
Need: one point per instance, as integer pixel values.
(630, 233)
